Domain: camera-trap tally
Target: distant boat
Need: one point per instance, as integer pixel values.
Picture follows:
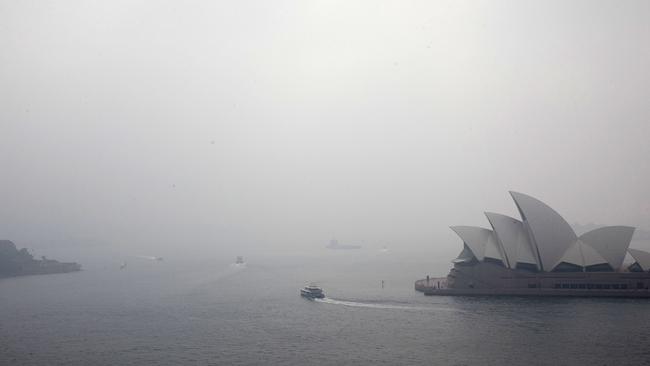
(152, 258)
(334, 244)
(239, 260)
(312, 292)
(123, 265)
(384, 250)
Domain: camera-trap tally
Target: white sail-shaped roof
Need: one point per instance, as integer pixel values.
(611, 242)
(582, 255)
(572, 256)
(551, 234)
(474, 237)
(480, 241)
(513, 238)
(641, 257)
(465, 256)
(492, 248)
(629, 260)
(590, 256)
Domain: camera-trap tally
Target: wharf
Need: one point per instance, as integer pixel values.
(431, 284)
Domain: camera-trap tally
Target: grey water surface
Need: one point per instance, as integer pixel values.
(212, 312)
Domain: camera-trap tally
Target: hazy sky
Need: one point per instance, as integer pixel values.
(275, 125)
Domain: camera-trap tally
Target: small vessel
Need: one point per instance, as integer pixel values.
(334, 244)
(312, 292)
(123, 265)
(239, 260)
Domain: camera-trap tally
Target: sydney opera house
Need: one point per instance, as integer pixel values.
(542, 255)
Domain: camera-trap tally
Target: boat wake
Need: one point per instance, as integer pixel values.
(356, 304)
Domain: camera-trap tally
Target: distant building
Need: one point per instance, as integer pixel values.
(542, 255)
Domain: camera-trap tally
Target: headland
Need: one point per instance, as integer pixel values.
(14, 262)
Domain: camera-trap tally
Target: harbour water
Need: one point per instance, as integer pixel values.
(213, 312)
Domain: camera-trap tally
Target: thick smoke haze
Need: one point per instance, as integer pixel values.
(214, 128)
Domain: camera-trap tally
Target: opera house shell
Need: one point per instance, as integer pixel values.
(540, 254)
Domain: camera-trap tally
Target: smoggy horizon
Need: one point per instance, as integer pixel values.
(153, 128)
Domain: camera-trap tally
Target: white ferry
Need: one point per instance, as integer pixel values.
(312, 292)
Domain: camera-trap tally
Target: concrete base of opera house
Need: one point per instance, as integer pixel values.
(434, 291)
(488, 279)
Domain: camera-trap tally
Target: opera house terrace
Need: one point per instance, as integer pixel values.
(541, 255)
